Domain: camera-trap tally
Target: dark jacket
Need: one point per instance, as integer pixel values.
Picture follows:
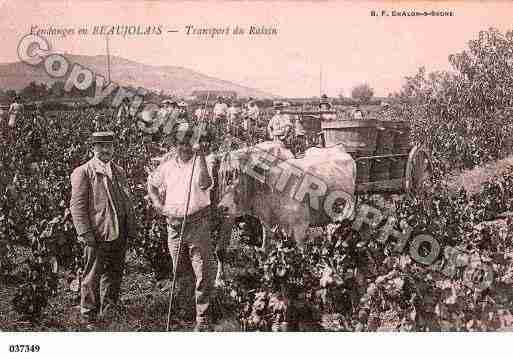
(92, 206)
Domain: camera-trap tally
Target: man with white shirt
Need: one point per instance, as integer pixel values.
(15, 111)
(168, 188)
(102, 212)
(280, 125)
(220, 110)
(251, 115)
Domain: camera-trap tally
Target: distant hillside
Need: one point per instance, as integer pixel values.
(170, 79)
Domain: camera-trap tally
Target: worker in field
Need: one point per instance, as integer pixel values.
(325, 107)
(15, 111)
(182, 111)
(299, 136)
(251, 116)
(357, 113)
(164, 110)
(324, 104)
(233, 113)
(280, 126)
(3, 114)
(123, 111)
(220, 110)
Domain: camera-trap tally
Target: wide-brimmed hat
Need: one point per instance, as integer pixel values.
(184, 132)
(102, 137)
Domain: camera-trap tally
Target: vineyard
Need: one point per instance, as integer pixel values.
(343, 279)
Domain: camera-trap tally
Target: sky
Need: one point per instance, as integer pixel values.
(324, 46)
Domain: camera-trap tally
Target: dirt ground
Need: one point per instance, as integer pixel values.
(144, 300)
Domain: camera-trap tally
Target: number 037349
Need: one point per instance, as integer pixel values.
(24, 348)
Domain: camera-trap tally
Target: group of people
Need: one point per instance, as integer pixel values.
(102, 207)
(231, 116)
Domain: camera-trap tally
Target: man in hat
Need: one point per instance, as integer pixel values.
(325, 107)
(102, 212)
(325, 104)
(168, 189)
(182, 111)
(280, 125)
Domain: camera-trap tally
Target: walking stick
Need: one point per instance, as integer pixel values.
(182, 230)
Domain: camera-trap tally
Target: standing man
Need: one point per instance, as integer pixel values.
(233, 116)
(220, 111)
(280, 125)
(325, 109)
(252, 115)
(357, 113)
(182, 111)
(123, 111)
(299, 135)
(15, 111)
(103, 217)
(172, 178)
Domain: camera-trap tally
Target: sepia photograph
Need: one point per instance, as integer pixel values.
(255, 166)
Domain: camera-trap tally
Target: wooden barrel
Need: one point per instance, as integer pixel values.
(380, 170)
(355, 135)
(401, 146)
(402, 137)
(358, 138)
(363, 170)
(385, 141)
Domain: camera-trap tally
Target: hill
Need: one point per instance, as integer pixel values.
(171, 79)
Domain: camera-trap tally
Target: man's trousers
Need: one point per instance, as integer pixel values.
(196, 253)
(101, 279)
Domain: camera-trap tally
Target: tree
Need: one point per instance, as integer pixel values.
(30, 91)
(362, 93)
(57, 89)
(465, 114)
(10, 93)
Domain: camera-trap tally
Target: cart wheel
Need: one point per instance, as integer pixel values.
(418, 170)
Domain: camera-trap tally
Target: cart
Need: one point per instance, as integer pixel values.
(376, 146)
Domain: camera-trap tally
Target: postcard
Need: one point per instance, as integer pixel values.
(255, 166)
